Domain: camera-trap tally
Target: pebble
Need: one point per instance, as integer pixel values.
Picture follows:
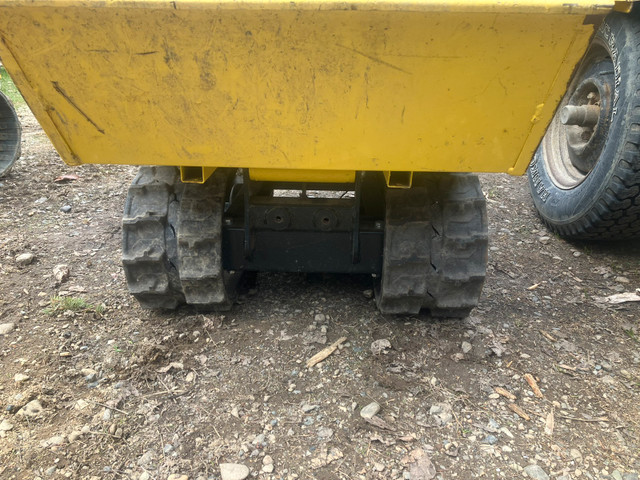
(53, 441)
(73, 436)
(267, 460)
(25, 259)
(380, 346)
(466, 347)
(65, 208)
(370, 410)
(544, 240)
(6, 328)
(442, 412)
(268, 468)
(5, 426)
(31, 409)
(20, 377)
(490, 439)
(325, 433)
(50, 471)
(146, 458)
(144, 476)
(630, 476)
(368, 293)
(233, 471)
(535, 472)
(61, 273)
(177, 476)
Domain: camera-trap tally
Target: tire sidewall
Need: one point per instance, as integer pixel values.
(565, 207)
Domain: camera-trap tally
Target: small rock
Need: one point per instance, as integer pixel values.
(544, 240)
(616, 475)
(146, 458)
(52, 442)
(378, 467)
(368, 293)
(65, 208)
(370, 410)
(61, 273)
(535, 472)
(25, 259)
(177, 476)
(168, 448)
(268, 468)
(630, 476)
(490, 439)
(267, 460)
(50, 471)
(233, 471)
(5, 426)
(144, 476)
(325, 433)
(6, 328)
(73, 436)
(466, 347)
(20, 377)
(380, 346)
(31, 409)
(81, 404)
(442, 412)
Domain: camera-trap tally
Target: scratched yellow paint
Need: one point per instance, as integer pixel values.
(425, 86)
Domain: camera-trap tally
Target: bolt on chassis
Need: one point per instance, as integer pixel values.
(326, 136)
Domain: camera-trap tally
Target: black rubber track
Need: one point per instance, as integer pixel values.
(148, 238)
(204, 281)
(435, 248)
(10, 135)
(606, 205)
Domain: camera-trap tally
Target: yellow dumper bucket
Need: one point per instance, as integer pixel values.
(312, 85)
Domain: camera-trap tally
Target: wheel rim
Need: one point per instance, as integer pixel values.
(576, 137)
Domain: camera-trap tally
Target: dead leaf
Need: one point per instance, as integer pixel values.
(420, 465)
(67, 178)
(549, 423)
(176, 365)
(380, 423)
(621, 298)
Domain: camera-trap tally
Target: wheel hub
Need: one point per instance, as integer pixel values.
(579, 130)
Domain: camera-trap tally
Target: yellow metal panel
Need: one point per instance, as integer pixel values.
(427, 86)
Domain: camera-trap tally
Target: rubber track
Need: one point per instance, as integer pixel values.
(435, 248)
(148, 239)
(200, 244)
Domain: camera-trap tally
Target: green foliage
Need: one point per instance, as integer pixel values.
(9, 89)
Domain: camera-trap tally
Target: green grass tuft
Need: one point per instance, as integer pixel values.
(9, 89)
(72, 304)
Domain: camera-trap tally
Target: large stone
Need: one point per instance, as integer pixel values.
(25, 259)
(370, 410)
(536, 472)
(6, 328)
(233, 471)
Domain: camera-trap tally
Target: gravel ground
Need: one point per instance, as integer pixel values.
(541, 381)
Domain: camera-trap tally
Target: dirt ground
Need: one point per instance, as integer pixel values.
(92, 386)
